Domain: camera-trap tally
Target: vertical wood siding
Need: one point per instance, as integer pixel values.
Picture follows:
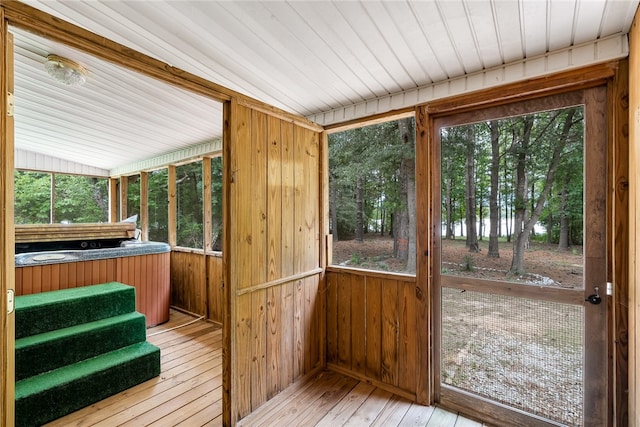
(188, 282)
(196, 284)
(273, 256)
(149, 274)
(372, 328)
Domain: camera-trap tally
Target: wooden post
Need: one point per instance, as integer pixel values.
(124, 185)
(634, 218)
(113, 200)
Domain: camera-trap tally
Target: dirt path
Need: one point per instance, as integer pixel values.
(563, 268)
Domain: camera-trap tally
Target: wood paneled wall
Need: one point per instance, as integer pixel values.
(196, 284)
(275, 318)
(189, 281)
(372, 328)
(215, 288)
(149, 274)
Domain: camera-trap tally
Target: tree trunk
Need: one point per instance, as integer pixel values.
(333, 212)
(470, 192)
(406, 237)
(563, 242)
(359, 209)
(448, 202)
(494, 211)
(520, 238)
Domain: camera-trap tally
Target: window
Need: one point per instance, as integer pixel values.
(133, 197)
(372, 196)
(158, 206)
(189, 205)
(32, 197)
(216, 204)
(76, 199)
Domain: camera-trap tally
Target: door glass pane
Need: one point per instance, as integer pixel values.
(512, 199)
(512, 211)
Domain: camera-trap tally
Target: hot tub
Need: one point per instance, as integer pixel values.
(144, 265)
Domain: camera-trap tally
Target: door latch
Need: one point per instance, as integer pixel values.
(594, 298)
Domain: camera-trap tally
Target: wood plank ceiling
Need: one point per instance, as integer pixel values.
(326, 60)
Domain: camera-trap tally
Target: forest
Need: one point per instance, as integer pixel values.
(514, 180)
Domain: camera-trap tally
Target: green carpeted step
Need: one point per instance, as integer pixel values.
(51, 395)
(44, 352)
(48, 311)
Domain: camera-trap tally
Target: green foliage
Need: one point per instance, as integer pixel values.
(216, 203)
(81, 199)
(546, 129)
(373, 153)
(32, 197)
(158, 205)
(78, 199)
(189, 205)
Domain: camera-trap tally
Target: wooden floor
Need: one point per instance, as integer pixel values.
(188, 392)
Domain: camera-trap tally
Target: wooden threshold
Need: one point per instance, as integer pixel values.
(188, 392)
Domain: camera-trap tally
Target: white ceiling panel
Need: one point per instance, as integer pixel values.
(326, 60)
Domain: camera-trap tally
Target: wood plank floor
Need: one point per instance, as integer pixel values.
(188, 393)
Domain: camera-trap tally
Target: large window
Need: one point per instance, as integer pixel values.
(372, 196)
(76, 199)
(189, 205)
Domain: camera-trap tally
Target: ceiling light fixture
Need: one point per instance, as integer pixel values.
(65, 70)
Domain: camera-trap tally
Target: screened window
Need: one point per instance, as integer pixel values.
(80, 199)
(75, 199)
(32, 197)
(216, 204)
(372, 196)
(133, 196)
(189, 205)
(158, 206)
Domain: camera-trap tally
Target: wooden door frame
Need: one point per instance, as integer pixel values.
(614, 76)
(7, 234)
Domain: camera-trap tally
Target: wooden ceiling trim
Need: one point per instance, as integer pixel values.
(34, 20)
(580, 78)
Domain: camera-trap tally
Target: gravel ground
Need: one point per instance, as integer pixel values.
(523, 353)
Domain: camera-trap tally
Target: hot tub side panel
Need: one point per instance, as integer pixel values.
(149, 274)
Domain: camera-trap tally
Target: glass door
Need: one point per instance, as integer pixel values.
(520, 263)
